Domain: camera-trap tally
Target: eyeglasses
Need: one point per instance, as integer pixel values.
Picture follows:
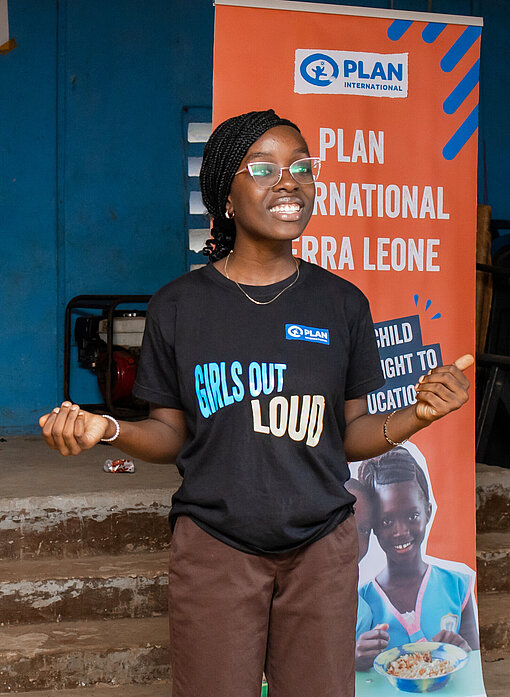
(268, 174)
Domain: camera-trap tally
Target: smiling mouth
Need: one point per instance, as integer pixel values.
(402, 547)
(286, 208)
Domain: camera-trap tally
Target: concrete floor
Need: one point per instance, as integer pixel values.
(496, 673)
(29, 468)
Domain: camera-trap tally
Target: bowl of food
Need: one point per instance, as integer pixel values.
(423, 666)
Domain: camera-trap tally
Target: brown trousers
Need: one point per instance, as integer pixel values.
(233, 615)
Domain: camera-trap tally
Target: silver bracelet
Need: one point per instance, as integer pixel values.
(117, 429)
(385, 430)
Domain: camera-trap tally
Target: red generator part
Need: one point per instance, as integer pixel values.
(124, 365)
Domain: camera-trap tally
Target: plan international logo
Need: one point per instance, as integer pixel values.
(350, 72)
(301, 333)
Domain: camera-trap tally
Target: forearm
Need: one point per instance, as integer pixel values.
(364, 436)
(438, 393)
(150, 440)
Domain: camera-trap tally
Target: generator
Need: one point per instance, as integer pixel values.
(108, 344)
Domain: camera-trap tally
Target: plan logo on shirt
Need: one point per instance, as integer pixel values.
(298, 332)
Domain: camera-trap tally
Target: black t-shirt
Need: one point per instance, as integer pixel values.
(263, 388)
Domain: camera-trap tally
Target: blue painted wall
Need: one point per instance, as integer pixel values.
(91, 172)
(28, 285)
(92, 164)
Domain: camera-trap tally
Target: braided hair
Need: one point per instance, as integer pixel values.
(396, 465)
(223, 154)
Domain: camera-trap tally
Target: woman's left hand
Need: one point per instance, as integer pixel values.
(443, 389)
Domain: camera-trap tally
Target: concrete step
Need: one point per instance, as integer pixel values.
(70, 655)
(496, 673)
(159, 688)
(493, 561)
(85, 524)
(492, 498)
(55, 506)
(103, 587)
(125, 657)
(494, 613)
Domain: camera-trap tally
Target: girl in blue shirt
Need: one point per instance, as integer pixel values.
(410, 600)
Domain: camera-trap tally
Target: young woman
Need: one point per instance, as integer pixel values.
(410, 600)
(257, 368)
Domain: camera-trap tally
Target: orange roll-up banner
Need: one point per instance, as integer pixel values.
(389, 101)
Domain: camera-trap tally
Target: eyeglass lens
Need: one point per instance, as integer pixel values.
(267, 174)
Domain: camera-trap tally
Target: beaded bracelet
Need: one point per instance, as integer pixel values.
(117, 429)
(385, 429)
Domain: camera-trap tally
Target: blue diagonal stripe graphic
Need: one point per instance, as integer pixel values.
(398, 28)
(432, 31)
(460, 48)
(461, 136)
(459, 94)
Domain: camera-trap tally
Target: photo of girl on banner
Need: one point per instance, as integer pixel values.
(405, 595)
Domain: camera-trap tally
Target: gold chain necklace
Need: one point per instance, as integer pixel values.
(259, 302)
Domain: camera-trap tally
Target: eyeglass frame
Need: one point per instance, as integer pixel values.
(260, 162)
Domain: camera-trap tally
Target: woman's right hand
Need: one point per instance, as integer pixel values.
(370, 644)
(70, 430)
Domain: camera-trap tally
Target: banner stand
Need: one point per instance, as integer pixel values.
(389, 101)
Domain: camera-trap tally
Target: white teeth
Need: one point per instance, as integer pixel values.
(286, 208)
(404, 546)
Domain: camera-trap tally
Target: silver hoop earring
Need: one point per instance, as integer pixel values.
(228, 215)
